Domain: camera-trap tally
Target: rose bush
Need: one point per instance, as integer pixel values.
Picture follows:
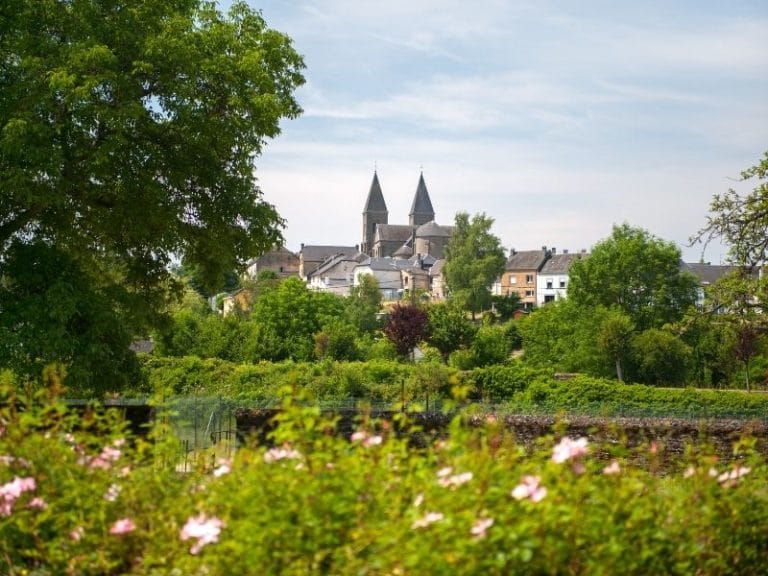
(78, 495)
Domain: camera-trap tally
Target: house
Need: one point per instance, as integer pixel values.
(437, 288)
(311, 257)
(280, 260)
(387, 274)
(552, 279)
(336, 274)
(521, 272)
(708, 274)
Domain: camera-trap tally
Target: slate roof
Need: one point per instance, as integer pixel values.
(559, 263)
(709, 273)
(393, 233)
(437, 267)
(320, 253)
(332, 261)
(381, 264)
(375, 201)
(433, 229)
(404, 251)
(422, 205)
(526, 260)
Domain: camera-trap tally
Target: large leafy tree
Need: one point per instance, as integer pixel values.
(474, 260)
(128, 132)
(364, 304)
(286, 319)
(449, 328)
(637, 273)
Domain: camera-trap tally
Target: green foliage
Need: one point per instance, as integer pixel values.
(490, 346)
(52, 309)
(128, 132)
(449, 328)
(563, 337)
(506, 306)
(364, 304)
(496, 384)
(476, 502)
(615, 336)
(636, 272)
(660, 357)
(474, 260)
(741, 221)
(287, 318)
(337, 341)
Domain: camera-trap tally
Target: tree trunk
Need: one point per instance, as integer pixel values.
(619, 373)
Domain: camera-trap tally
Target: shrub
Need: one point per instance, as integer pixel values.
(79, 496)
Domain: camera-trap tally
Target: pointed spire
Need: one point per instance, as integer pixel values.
(421, 209)
(375, 201)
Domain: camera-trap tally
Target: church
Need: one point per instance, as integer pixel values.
(421, 237)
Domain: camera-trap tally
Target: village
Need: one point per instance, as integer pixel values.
(409, 258)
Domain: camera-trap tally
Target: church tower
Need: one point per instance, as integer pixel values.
(374, 213)
(421, 209)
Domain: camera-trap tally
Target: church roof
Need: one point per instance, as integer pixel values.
(431, 228)
(375, 201)
(404, 251)
(312, 253)
(422, 205)
(393, 232)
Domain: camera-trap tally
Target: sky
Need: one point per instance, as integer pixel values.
(557, 119)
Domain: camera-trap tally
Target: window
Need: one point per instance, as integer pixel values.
(512, 279)
(529, 293)
(549, 298)
(549, 284)
(562, 283)
(529, 278)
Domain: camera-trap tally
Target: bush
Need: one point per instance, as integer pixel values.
(80, 497)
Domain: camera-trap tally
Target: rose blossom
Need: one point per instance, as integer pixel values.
(529, 488)
(568, 449)
(205, 530)
(122, 526)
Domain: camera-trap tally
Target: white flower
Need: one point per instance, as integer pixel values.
(427, 519)
(205, 530)
(568, 448)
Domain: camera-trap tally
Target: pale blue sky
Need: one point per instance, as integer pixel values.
(556, 118)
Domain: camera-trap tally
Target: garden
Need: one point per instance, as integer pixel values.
(79, 494)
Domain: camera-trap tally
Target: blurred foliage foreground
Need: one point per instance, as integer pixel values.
(79, 495)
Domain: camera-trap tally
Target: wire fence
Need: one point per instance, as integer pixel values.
(207, 427)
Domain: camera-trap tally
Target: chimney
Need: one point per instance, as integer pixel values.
(554, 250)
(565, 251)
(512, 252)
(302, 245)
(543, 248)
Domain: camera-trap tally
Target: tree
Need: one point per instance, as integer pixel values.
(364, 304)
(563, 336)
(406, 326)
(637, 273)
(614, 338)
(449, 328)
(741, 221)
(660, 357)
(735, 304)
(128, 132)
(474, 260)
(287, 318)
